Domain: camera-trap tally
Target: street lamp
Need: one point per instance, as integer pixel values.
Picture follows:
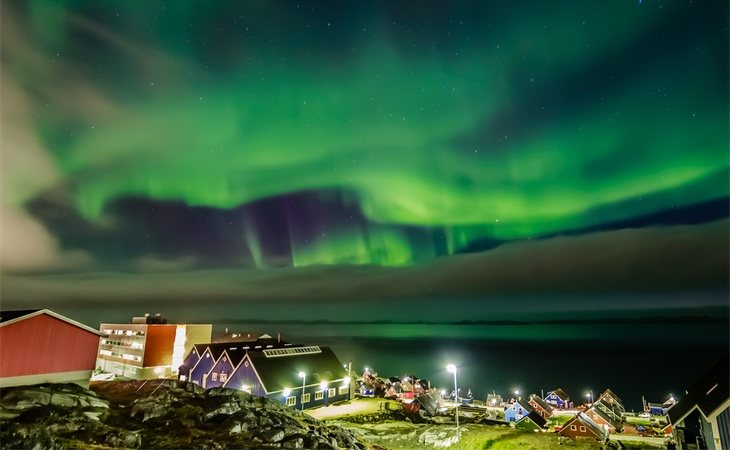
(517, 393)
(452, 368)
(303, 376)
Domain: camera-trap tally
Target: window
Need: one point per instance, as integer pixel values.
(331, 392)
(344, 389)
(318, 395)
(224, 377)
(305, 398)
(573, 428)
(583, 429)
(291, 401)
(214, 376)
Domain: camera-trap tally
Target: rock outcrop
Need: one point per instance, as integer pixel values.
(67, 416)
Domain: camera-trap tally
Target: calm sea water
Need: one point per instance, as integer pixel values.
(632, 359)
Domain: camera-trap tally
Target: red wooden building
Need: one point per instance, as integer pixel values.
(42, 346)
(580, 426)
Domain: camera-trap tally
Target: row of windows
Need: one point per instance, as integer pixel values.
(127, 344)
(222, 378)
(124, 332)
(319, 395)
(292, 351)
(126, 356)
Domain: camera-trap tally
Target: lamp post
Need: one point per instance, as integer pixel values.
(452, 368)
(303, 376)
(589, 394)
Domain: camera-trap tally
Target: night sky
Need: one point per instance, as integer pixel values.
(344, 160)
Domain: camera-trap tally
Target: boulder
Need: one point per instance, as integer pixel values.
(226, 408)
(125, 439)
(272, 435)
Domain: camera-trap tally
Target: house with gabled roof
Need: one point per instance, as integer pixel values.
(517, 410)
(581, 426)
(225, 366)
(198, 374)
(610, 398)
(532, 422)
(607, 421)
(494, 400)
(612, 411)
(39, 345)
(274, 373)
(703, 414)
(558, 399)
(542, 408)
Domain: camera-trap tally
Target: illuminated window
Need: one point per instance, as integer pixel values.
(214, 376)
(291, 401)
(305, 398)
(319, 395)
(224, 377)
(344, 389)
(331, 392)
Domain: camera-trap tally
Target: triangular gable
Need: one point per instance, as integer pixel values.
(33, 313)
(535, 418)
(253, 367)
(542, 404)
(207, 350)
(560, 394)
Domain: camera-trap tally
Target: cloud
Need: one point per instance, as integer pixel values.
(26, 170)
(682, 264)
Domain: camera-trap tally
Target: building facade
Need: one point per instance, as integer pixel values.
(148, 347)
(517, 410)
(558, 399)
(299, 376)
(42, 346)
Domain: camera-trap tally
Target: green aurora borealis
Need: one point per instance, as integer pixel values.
(265, 134)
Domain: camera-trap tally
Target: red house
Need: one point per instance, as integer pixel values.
(42, 346)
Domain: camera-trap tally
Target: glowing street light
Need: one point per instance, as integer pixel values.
(517, 392)
(452, 368)
(589, 394)
(303, 376)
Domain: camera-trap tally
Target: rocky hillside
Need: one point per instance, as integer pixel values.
(57, 416)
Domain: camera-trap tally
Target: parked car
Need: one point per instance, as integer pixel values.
(645, 415)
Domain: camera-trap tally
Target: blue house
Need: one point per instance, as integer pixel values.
(224, 367)
(274, 373)
(559, 399)
(517, 410)
(198, 374)
(189, 362)
(268, 368)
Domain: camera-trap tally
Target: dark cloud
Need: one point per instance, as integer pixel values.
(679, 266)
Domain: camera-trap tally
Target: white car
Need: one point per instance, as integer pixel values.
(645, 415)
